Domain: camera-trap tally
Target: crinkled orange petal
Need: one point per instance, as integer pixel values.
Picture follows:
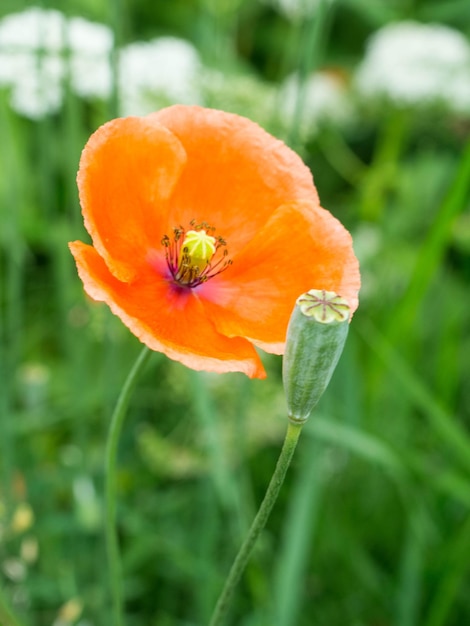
(128, 170)
(166, 319)
(236, 174)
(301, 247)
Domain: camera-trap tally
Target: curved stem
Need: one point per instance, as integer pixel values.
(114, 562)
(243, 556)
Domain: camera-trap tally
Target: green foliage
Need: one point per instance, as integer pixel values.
(372, 526)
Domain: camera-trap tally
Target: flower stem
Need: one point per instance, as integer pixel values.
(243, 556)
(115, 428)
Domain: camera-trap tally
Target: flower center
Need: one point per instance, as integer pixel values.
(193, 256)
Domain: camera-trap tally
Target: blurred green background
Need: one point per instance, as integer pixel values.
(372, 527)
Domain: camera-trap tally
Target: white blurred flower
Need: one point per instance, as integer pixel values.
(36, 89)
(30, 62)
(296, 9)
(90, 68)
(87, 503)
(14, 569)
(323, 99)
(158, 73)
(29, 550)
(23, 518)
(39, 48)
(33, 379)
(33, 28)
(369, 249)
(69, 612)
(457, 94)
(368, 243)
(241, 93)
(412, 63)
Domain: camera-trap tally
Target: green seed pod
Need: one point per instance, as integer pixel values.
(316, 335)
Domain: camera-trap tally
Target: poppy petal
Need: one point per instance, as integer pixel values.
(236, 174)
(128, 170)
(301, 247)
(167, 320)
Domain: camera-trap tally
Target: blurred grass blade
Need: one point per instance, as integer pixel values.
(219, 458)
(365, 445)
(7, 617)
(452, 578)
(431, 252)
(445, 426)
(117, 19)
(298, 532)
(412, 565)
(312, 45)
(382, 173)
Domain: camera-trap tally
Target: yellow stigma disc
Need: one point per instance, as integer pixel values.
(200, 247)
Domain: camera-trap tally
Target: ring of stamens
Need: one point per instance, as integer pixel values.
(194, 256)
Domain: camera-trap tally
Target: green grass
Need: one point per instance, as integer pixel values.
(372, 527)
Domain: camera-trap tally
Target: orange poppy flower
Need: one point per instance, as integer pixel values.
(205, 230)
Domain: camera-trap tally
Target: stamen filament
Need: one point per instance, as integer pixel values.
(189, 254)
